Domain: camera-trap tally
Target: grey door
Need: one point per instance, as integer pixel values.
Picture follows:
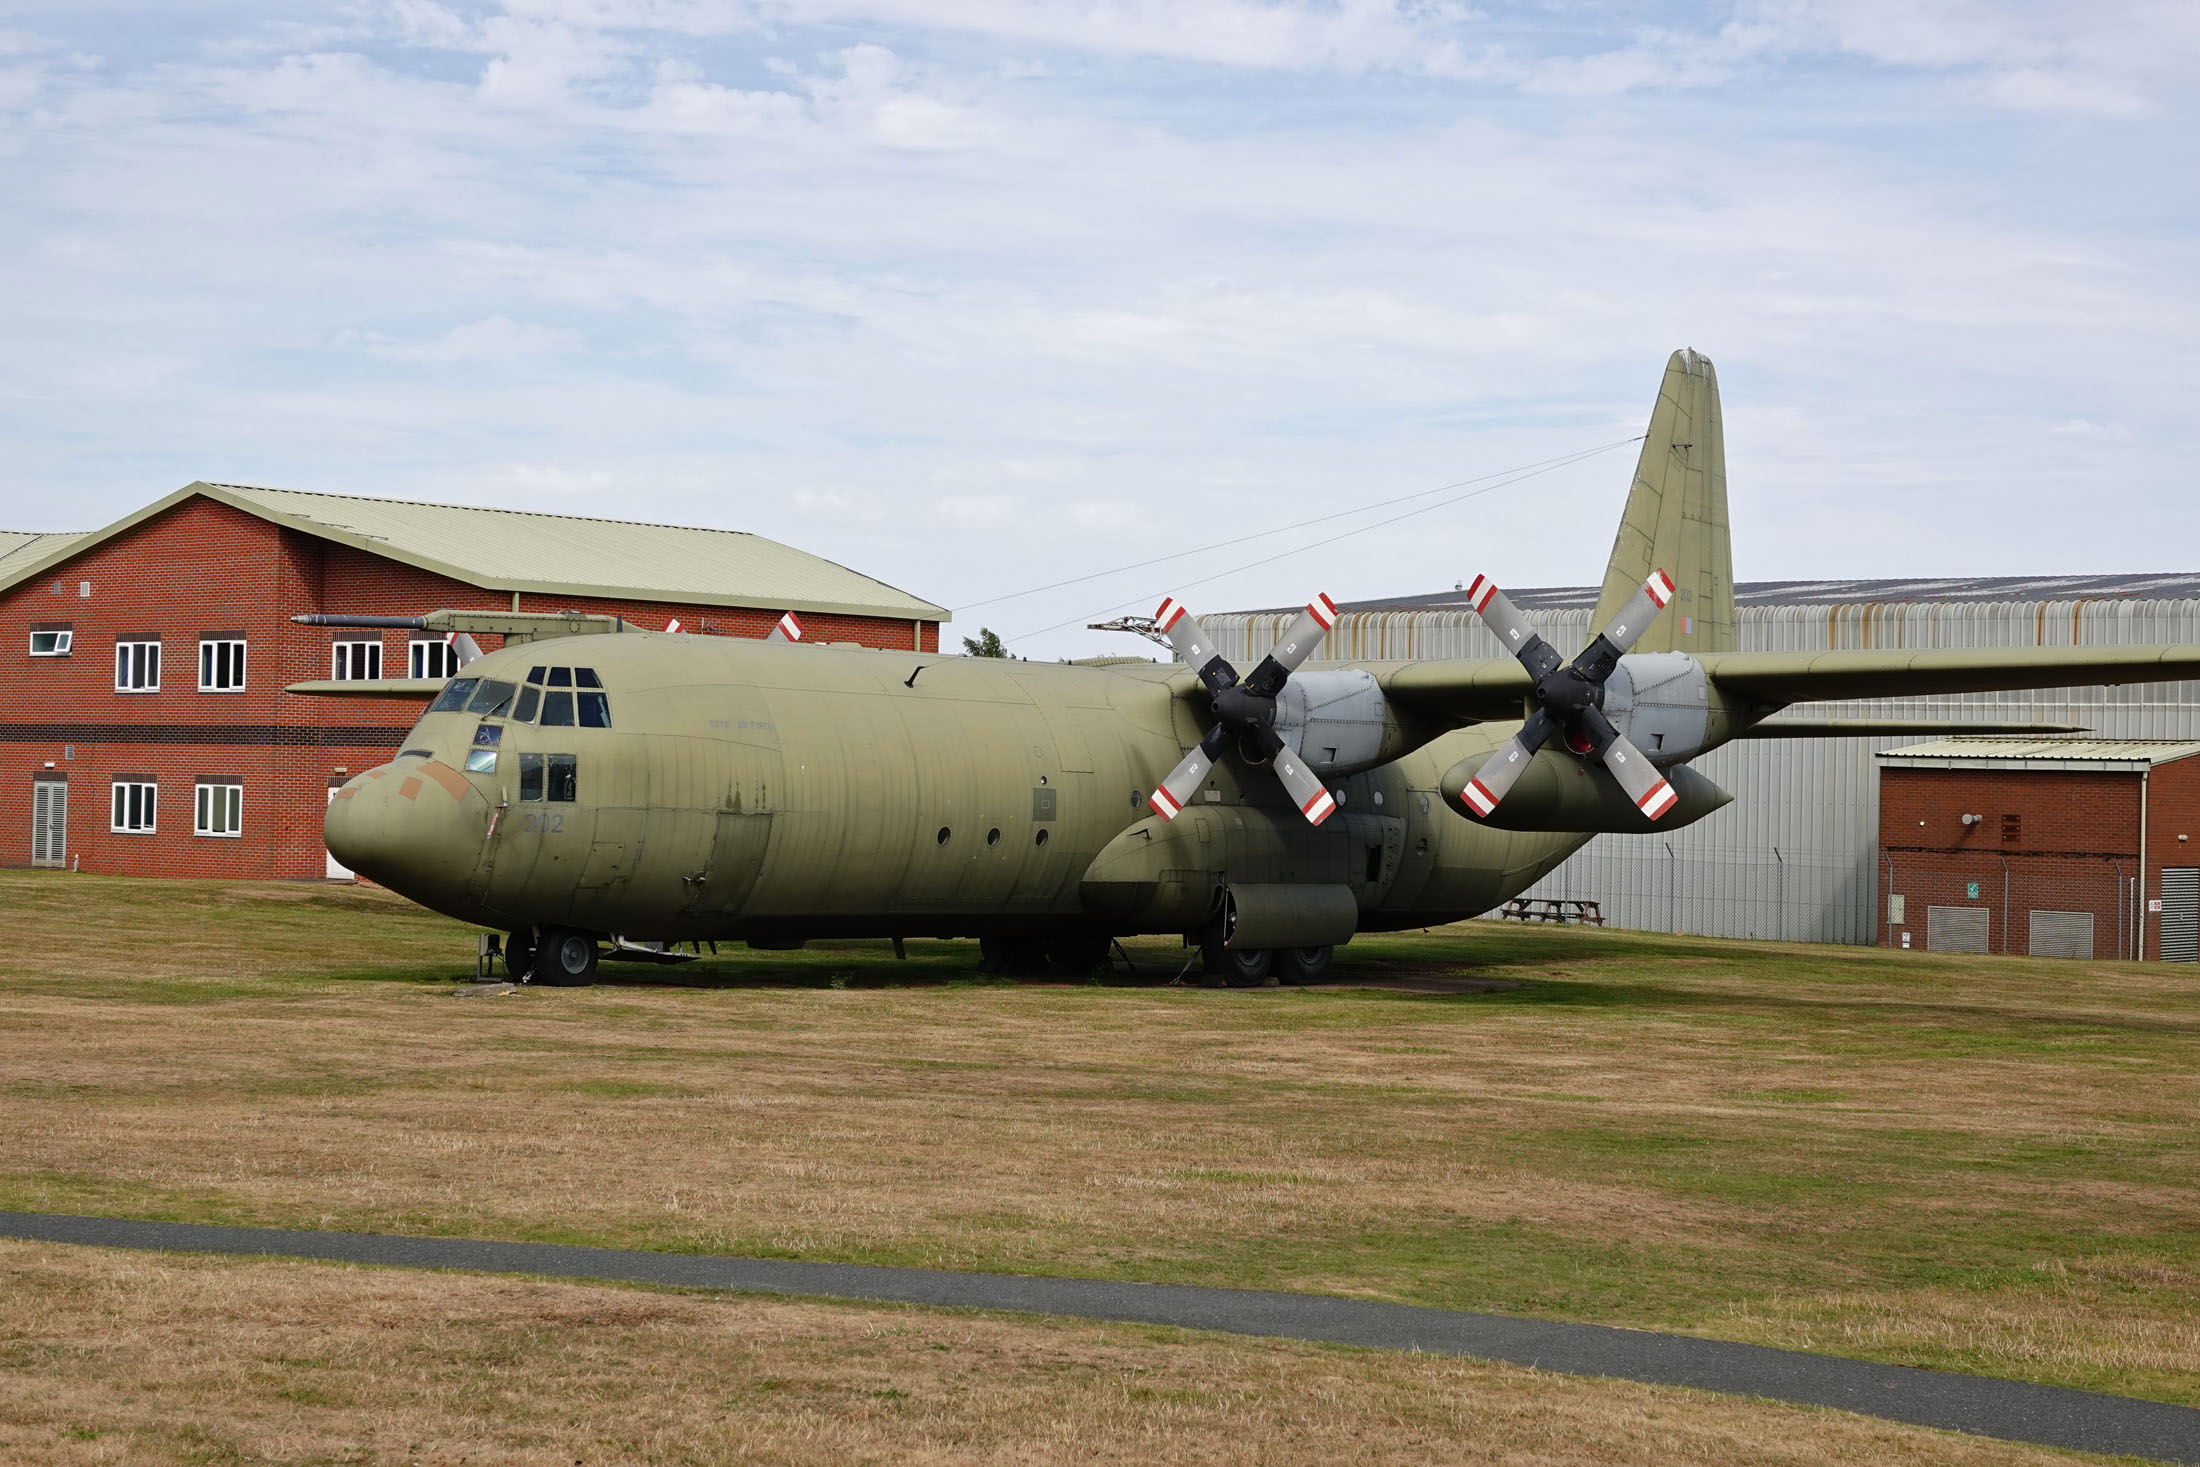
(49, 823)
(2180, 914)
(2062, 934)
(1955, 929)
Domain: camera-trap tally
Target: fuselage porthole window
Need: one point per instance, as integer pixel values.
(557, 710)
(454, 695)
(524, 710)
(530, 776)
(564, 778)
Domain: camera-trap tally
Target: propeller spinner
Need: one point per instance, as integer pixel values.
(1570, 698)
(1245, 710)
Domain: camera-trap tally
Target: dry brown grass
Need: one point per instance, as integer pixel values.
(128, 1358)
(1978, 1164)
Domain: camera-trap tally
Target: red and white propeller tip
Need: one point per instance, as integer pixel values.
(673, 625)
(1167, 612)
(1660, 588)
(1658, 800)
(1480, 592)
(789, 628)
(1318, 808)
(1164, 804)
(1479, 798)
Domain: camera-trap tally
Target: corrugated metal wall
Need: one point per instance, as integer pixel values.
(1794, 856)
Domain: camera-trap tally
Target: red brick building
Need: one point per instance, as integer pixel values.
(145, 729)
(2056, 847)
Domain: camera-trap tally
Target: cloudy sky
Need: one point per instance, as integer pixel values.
(982, 296)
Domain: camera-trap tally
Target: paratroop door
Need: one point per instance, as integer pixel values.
(49, 823)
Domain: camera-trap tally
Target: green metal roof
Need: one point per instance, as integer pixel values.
(2034, 753)
(19, 548)
(539, 554)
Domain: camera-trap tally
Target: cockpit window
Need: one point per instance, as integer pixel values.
(585, 677)
(524, 710)
(491, 698)
(557, 710)
(530, 776)
(454, 695)
(488, 735)
(595, 709)
(564, 778)
(561, 677)
(534, 674)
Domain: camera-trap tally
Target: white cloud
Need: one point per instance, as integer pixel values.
(496, 339)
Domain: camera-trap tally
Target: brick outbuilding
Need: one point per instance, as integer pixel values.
(145, 730)
(2064, 847)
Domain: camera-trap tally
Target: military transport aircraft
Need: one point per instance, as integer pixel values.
(597, 790)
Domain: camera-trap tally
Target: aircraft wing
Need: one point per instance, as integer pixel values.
(1494, 690)
(1779, 678)
(1460, 690)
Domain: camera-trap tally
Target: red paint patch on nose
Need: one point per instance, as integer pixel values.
(410, 789)
(454, 784)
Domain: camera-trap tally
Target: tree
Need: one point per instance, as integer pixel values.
(985, 644)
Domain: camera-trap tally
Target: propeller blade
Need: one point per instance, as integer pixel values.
(788, 630)
(463, 647)
(1636, 774)
(1183, 781)
(1503, 769)
(1298, 644)
(1603, 654)
(1192, 646)
(1306, 788)
(1511, 628)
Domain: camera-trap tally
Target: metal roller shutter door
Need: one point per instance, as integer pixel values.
(2180, 914)
(1955, 929)
(2062, 934)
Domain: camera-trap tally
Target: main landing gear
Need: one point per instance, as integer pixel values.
(1254, 967)
(557, 957)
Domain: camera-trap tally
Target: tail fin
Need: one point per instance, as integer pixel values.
(1676, 518)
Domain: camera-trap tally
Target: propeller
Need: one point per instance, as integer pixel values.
(1245, 710)
(788, 630)
(464, 648)
(1570, 698)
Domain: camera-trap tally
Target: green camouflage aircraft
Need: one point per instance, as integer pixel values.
(595, 790)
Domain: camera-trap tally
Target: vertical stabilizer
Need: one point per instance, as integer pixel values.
(1676, 518)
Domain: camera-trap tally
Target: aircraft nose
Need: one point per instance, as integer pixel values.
(416, 828)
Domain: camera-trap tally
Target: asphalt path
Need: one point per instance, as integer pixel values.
(2012, 1410)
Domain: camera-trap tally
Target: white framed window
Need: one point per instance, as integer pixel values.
(134, 802)
(137, 667)
(218, 807)
(356, 661)
(51, 641)
(432, 659)
(221, 665)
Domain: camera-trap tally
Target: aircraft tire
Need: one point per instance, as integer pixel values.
(1014, 957)
(1304, 964)
(567, 958)
(519, 955)
(1240, 967)
(1078, 957)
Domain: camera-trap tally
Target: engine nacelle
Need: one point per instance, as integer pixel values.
(1662, 702)
(1335, 719)
(1560, 792)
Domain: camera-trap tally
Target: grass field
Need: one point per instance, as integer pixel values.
(141, 1359)
(1981, 1164)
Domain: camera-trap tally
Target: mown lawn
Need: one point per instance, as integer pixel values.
(1979, 1163)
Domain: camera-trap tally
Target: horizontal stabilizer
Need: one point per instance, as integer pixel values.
(419, 689)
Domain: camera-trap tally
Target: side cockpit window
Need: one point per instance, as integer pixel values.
(554, 777)
(492, 698)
